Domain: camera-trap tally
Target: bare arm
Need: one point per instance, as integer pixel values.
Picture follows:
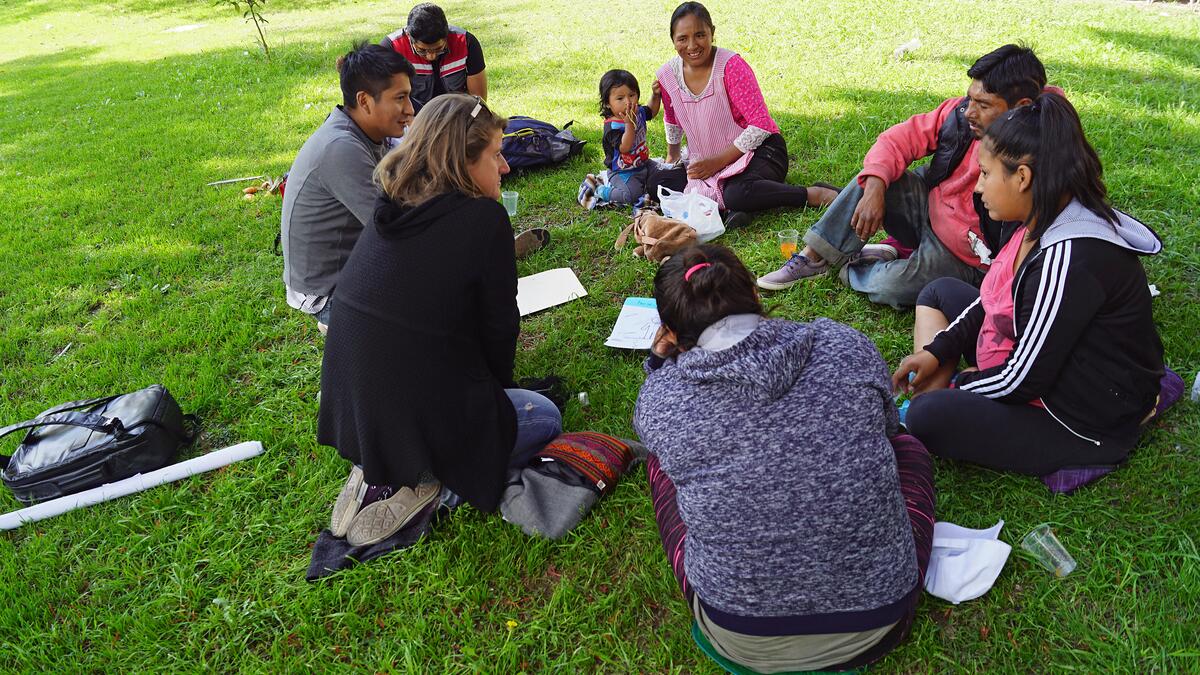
(703, 168)
(655, 99)
(477, 84)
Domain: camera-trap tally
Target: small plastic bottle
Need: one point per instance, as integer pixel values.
(584, 401)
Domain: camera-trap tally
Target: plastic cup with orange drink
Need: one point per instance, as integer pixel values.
(789, 241)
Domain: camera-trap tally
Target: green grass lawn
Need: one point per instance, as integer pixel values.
(119, 268)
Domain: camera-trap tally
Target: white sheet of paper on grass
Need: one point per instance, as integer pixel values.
(636, 324)
(142, 481)
(547, 289)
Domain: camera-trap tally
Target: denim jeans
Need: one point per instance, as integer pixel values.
(906, 217)
(626, 187)
(323, 315)
(538, 422)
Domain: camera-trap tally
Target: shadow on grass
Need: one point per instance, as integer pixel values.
(1182, 50)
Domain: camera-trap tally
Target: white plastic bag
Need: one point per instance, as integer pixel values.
(694, 209)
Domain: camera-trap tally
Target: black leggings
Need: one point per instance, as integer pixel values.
(1015, 437)
(1007, 436)
(761, 186)
(950, 296)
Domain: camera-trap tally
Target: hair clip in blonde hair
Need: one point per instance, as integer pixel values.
(477, 108)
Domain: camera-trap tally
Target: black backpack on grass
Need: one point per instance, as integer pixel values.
(84, 444)
(530, 143)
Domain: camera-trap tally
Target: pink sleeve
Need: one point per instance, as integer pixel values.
(905, 143)
(745, 97)
(668, 111)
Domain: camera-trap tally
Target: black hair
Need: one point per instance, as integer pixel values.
(1012, 72)
(610, 80)
(427, 23)
(369, 68)
(1047, 137)
(691, 9)
(722, 287)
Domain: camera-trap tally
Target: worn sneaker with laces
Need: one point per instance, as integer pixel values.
(796, 268)
(873, 253)
(348, 501)
(380, 519)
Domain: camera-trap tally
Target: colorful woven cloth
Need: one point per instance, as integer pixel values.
(601, 458)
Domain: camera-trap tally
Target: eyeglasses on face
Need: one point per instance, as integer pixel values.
(428, 52)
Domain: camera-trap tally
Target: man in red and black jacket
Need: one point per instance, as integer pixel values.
(447, 58)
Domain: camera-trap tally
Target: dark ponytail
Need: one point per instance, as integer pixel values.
(1047, 137)
(701, 285)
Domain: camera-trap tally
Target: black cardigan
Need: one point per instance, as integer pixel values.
(421, 343)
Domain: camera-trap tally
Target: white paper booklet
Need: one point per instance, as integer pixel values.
(636, 325)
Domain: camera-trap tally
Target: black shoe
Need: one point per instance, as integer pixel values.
(736, 219)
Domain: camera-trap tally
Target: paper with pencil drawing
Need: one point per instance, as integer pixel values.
(636, 325)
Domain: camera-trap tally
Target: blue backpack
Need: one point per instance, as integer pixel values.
(530, 143)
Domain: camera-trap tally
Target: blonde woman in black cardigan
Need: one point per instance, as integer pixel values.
(417, 380)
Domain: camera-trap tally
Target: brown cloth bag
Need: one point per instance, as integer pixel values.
(658, 237)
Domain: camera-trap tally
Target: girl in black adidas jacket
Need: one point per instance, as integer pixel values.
(1084, 372)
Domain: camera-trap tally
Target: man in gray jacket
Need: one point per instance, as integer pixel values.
(330, 195)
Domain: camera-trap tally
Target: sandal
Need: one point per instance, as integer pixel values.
(531, 240)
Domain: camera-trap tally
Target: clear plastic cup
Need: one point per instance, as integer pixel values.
(789, 242)
(1048, 550)
(509, 199)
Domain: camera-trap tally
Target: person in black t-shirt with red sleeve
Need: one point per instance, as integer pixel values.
(447, 58)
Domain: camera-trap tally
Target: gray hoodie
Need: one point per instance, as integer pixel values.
(778, 448)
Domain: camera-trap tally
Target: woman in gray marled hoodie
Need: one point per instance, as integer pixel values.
(798, 532)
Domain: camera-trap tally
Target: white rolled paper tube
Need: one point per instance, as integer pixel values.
(142, 481)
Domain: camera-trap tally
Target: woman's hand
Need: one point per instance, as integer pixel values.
(710, 166)
(704, 168)
(929, 374)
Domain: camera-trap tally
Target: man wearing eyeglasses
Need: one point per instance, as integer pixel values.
(446, 58)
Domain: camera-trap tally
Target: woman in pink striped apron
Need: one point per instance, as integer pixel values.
(736, 155)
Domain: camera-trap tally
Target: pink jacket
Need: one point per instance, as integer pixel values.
(951, 204)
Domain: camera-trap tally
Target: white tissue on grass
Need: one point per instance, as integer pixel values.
(964, 563)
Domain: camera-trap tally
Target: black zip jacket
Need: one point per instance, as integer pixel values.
(1086, 347)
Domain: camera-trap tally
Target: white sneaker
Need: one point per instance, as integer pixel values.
(348, 501)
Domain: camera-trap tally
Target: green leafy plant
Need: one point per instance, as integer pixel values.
(253, 12)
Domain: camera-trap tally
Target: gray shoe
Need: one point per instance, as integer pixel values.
(796, 268)
(379, 520)
(531, 240)
(348, 501)
(873, 253)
